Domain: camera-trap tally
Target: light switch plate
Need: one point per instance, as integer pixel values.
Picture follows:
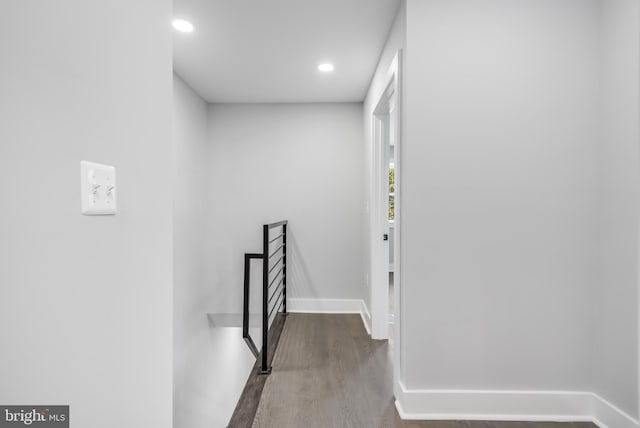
(98, 188)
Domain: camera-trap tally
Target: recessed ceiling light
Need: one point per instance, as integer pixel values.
(182, 25)
(326, 67)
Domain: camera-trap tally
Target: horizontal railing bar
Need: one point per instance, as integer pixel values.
(280, 223)
(276, 251)
(276, 311)
(273, 294)
(275, 314)
(275, 306)
(254, 255)
(275, 277)
(276, 238)
(275, 265)
(277, 293)
(276, 290)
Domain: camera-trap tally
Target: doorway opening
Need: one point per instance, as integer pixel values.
(391, 233)
(386, 214)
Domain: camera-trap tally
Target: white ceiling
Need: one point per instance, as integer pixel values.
(269, 50)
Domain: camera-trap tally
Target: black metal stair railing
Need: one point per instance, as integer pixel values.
(274, 286)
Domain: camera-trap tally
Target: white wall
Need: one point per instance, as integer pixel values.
(396, 40)
(499, 209)
(616, 315)
(86, 302)
(190, 313)
(301, 162)
(211, 362)
(189, 175)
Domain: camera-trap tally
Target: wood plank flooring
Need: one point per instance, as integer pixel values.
(328, 373)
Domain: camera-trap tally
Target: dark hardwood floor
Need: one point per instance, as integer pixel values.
(328, 373)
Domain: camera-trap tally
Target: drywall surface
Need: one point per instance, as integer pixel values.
(499, 209)
(86, 302)
(211, 363)
(189, 175)
(301, 162)
(396, 41)
(616, 308)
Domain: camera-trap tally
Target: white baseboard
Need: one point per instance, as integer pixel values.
(541, 406)
(606, 415)
(331, 306)
(366, 317)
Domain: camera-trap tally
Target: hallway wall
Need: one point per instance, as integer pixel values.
(396, 40)
(520, 208)
(301, 162)
(189, 216)
(499, 209)
(616, 308)
(206, 355)
(86, 302)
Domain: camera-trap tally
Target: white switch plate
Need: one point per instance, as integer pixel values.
(98, 188)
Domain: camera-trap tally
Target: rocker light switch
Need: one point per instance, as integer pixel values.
(98, 188)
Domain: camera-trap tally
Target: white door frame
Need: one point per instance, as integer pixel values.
(387, 118)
